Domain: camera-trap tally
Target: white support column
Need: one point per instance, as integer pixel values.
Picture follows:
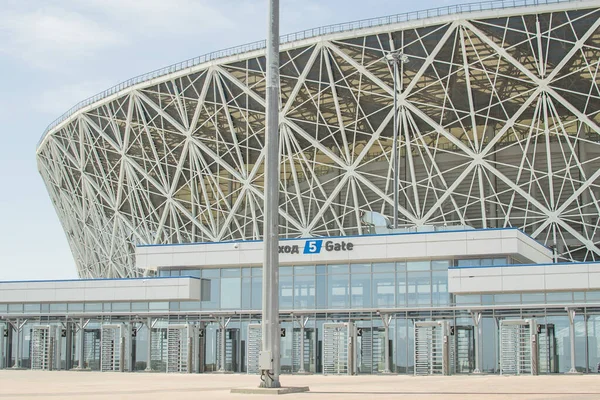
(476, 315)
(149, 345)
(17, 363)
(81, 350)
(571, 312)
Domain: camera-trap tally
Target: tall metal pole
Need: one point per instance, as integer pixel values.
(571, 313)
(395, 144)
(269, 357)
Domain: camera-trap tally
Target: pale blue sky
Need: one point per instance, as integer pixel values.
(54, 53)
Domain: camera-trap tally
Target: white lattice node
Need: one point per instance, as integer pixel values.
(498, 122)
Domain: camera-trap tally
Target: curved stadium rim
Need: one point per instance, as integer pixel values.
(305, 34)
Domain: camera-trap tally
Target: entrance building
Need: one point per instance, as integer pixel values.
(452, 301)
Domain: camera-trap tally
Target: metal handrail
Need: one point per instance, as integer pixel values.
(301, 35)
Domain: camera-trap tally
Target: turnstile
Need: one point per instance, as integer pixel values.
(339, 339)
(548, 358)
(370, 344)
(158, 349)
(254, 346)
(113, 348)
(432, 348)
(232, 353)
(179, 348)
(91, 349)
(518, 347)
(310, 340)
(463, 349)
(42, 347)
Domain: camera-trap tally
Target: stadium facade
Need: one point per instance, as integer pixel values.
(159, 180)
(498, 114)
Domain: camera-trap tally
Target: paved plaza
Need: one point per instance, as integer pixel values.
(95, 385)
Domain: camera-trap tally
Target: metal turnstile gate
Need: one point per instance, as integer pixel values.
(42, 347)
(254, 344)
(463, 349)
(370, 350)
(112, 348)
(432, 350)
(91, 349)
(548, 360)
(231, 349)
(179, 348)
(518, 348)
(338, 348)
(159, 350)
(310, 335)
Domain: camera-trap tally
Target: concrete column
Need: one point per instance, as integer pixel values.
(2, 342)
(149, 345)
(476, 319)
(571, 313)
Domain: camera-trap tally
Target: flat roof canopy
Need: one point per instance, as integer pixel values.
(366, 248)
(106, 290)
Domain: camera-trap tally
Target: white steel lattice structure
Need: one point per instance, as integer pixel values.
(498, 126)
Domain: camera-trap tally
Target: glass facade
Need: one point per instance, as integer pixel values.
(403, 292)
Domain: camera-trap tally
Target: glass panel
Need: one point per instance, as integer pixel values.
(321, 291)
(321, 269)
(256, 271)
(189, 306)
(419, 288)
(174, 306)
(383, 290)
(246, 271)
(304, 292)
(231, 294)
(417, 265)
(94, 307)
(507, 298)
(155, 306)
(32, 308)
(500, 261)
(439, 287)
(400, 266)
(57, 307)
(3, 307)
(139, 306)
(75, 307)
(338, 288)
(440, 265)
(230, 272)
(468, 263)
(286, 292)
(360, 268)
(164, 272)
(304, 270)
(338, 269)
(360, 290)
(402, 289)
(559, 297)
(15, 308)
(191, 272)
(256, 292)
(592, 296)
(462, 299)
(119, 306)
(384, 267)
(215, 288)
(538, 298)
(286, 270)
(246, 292)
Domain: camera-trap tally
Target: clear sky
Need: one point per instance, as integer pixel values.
(54, 53)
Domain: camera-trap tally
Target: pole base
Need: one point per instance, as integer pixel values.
(573, 371)
(273, 391)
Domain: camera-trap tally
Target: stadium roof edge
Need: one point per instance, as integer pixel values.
(441, 14)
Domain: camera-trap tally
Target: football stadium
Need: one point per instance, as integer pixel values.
(492, 268)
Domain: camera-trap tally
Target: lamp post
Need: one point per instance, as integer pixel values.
(396, 58)
(269, 356)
